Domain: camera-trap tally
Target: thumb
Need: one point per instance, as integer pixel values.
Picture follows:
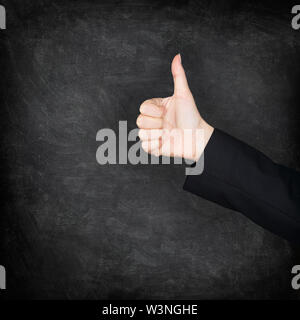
(181, 86)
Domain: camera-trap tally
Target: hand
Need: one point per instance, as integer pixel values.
(173, 126)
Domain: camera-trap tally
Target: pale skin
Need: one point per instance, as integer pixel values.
(162, 121)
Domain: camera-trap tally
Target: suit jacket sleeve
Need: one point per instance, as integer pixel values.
(241, 178)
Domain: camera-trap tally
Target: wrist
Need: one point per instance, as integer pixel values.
(202, 137)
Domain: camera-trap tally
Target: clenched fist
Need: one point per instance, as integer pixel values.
(173, 126)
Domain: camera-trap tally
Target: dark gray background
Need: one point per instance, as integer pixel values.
(71, 228)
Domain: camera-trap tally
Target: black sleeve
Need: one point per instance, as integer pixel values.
(241, 178)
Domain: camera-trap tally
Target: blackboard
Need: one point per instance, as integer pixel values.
(72, 229)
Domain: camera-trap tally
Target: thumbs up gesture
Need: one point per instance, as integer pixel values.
(173, 126)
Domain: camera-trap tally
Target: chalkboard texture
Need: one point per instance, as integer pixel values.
(73, 229)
